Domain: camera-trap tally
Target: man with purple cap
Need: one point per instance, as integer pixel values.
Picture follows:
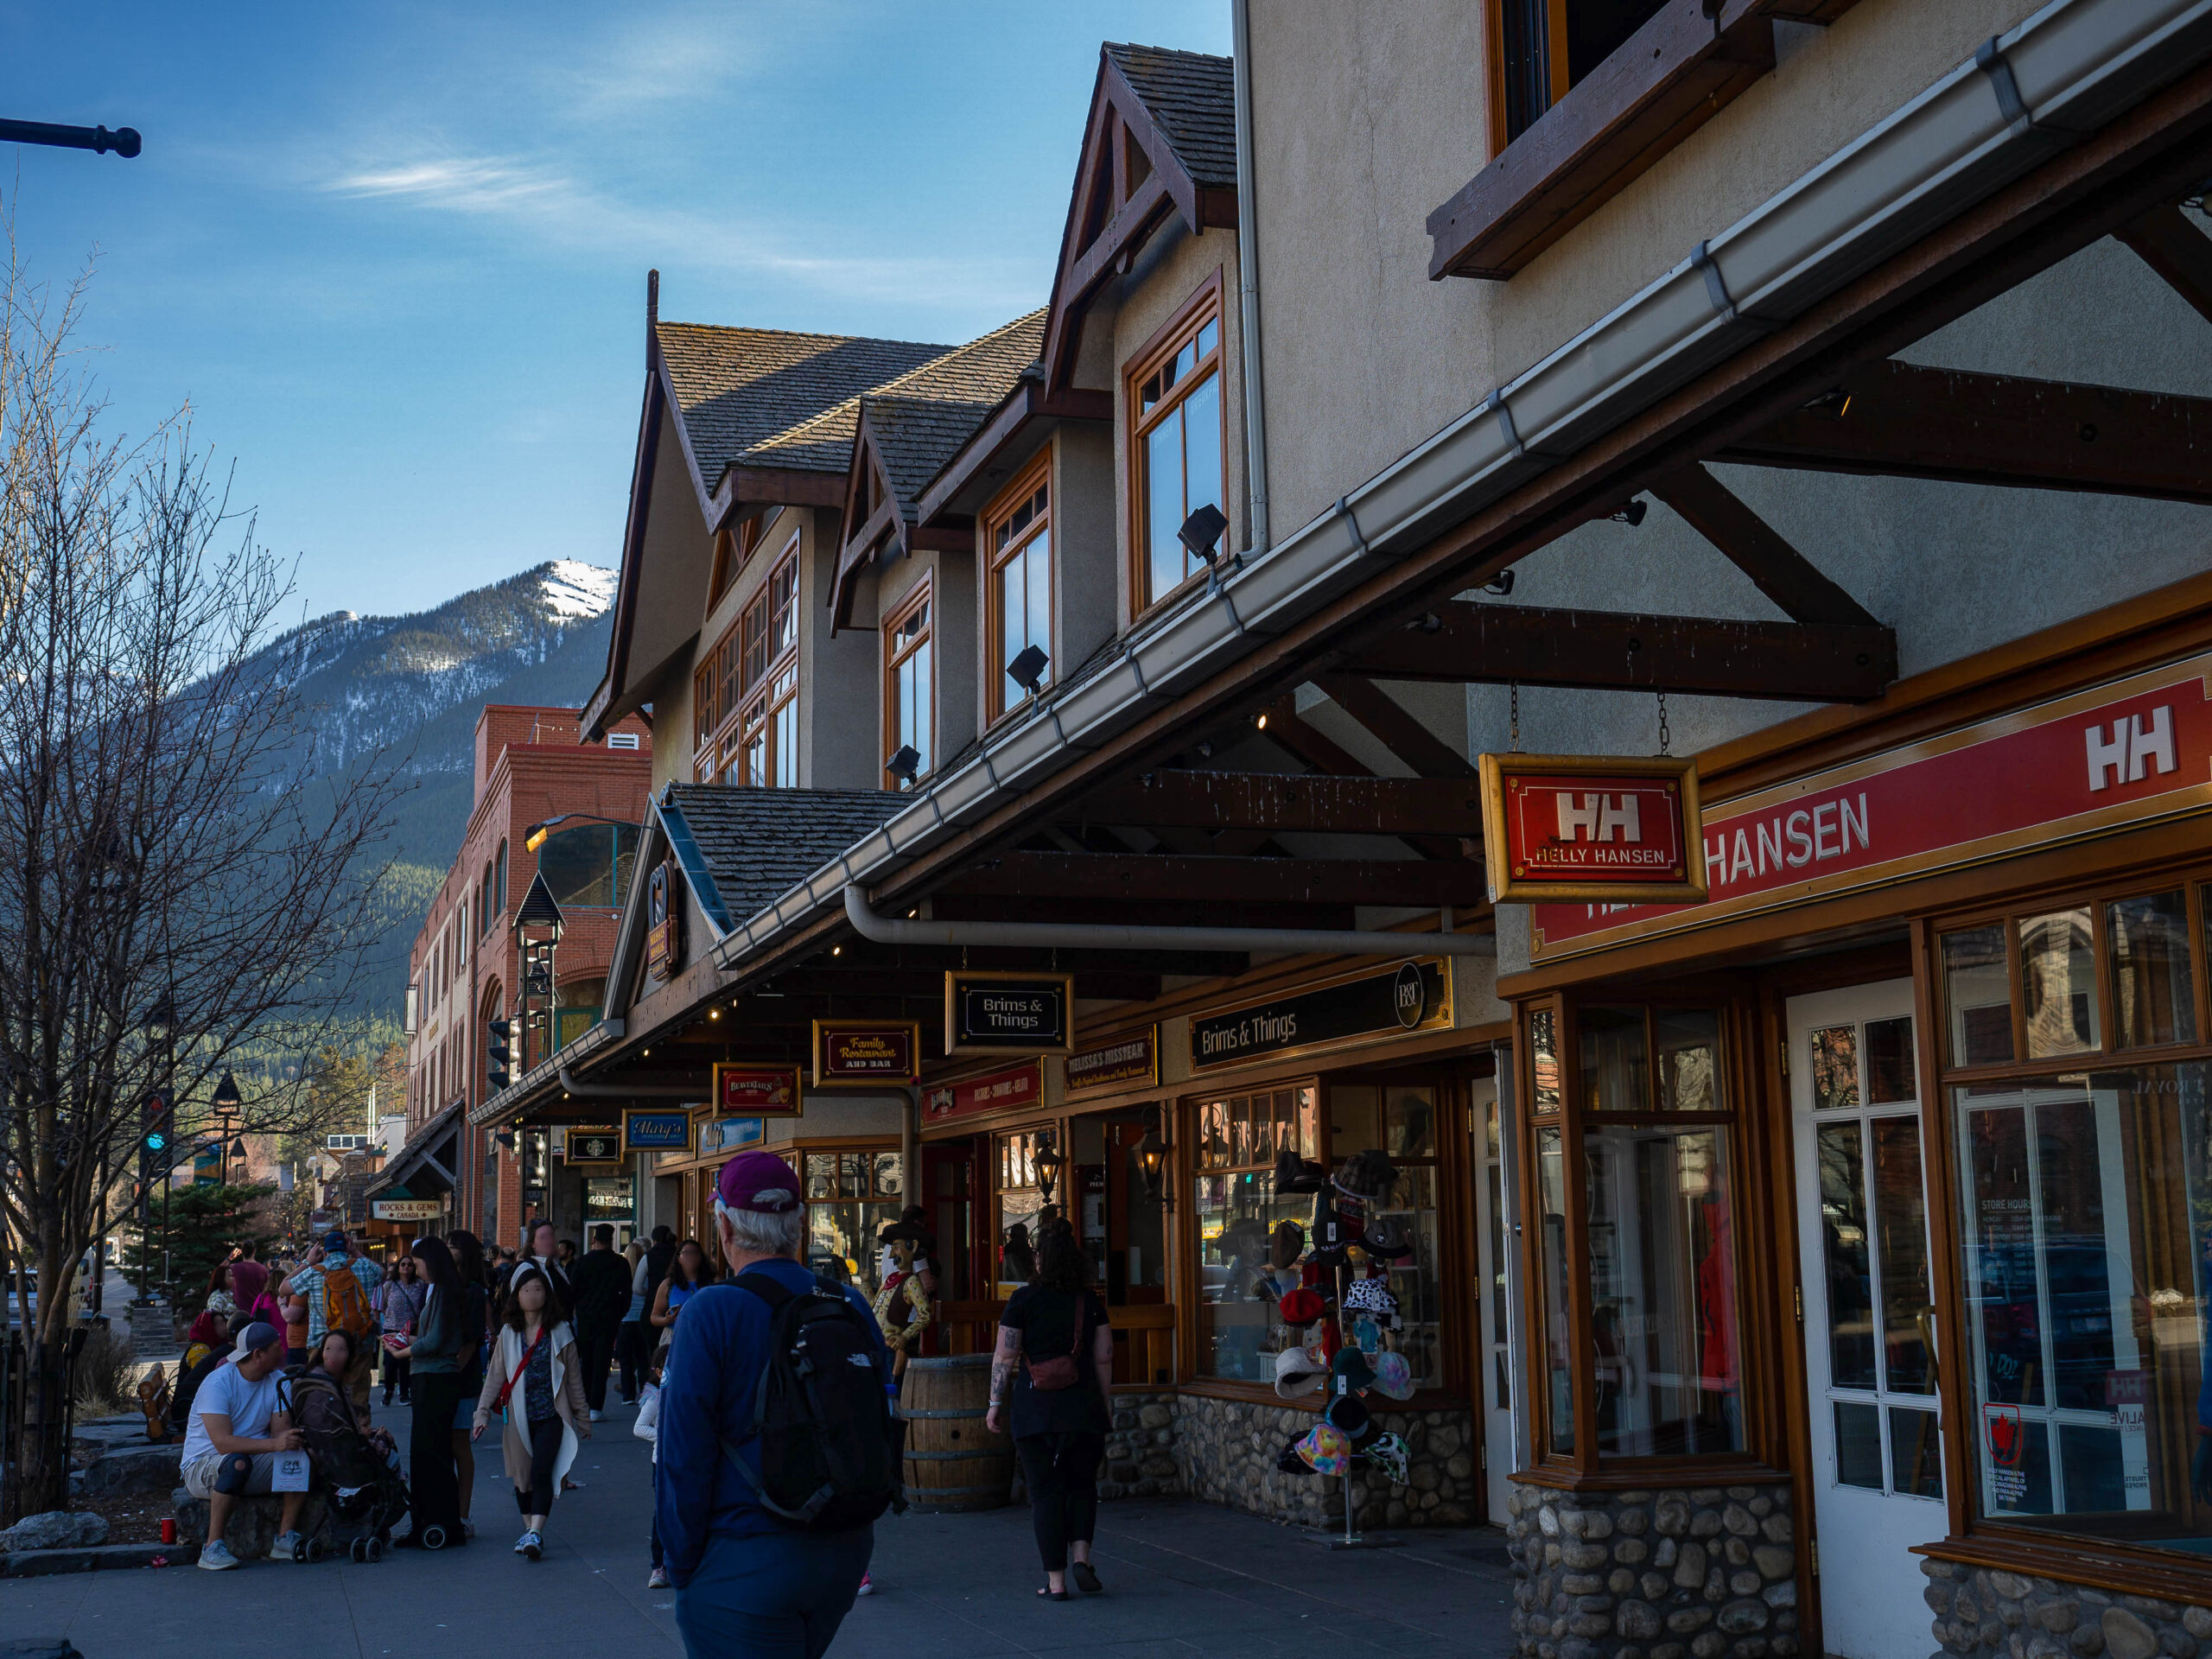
(746, 1584)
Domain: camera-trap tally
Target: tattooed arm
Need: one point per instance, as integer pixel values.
(1003, 1360)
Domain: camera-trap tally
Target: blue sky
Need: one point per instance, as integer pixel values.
(393, 257)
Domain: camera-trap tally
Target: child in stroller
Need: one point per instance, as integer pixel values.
(357, 1469)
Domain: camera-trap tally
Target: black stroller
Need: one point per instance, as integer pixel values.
(361, 1483)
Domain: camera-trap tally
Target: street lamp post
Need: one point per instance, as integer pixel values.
(124, 141)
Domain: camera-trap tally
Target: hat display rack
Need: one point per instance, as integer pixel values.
(1358, 1316)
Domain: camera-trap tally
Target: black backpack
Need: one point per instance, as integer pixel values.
(828, 1440)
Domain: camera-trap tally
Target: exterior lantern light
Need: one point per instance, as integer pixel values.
(1050, 1161)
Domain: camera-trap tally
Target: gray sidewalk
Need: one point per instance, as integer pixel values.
(1180, 1577)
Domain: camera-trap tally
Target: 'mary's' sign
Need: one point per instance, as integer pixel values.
(1583, 826)
(2104, 760)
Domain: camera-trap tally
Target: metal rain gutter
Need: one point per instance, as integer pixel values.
(2061, 73)
(1247, 274)
(1285, 941)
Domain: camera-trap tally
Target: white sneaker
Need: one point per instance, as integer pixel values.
(657, 1579)
(868, 1586)
(523, 1543)
(595, 1416)
(284, 1546)
(217, 1557)
(532, 1546)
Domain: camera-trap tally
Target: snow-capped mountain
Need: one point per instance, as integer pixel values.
(411, 687)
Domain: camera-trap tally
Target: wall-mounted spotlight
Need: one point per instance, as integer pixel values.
(1201, 533)
(1027, 668)
(905, 764)
(1633, 514)
(1501, 584)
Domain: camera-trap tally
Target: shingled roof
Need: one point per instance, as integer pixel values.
(763, 397)
(918, 422)
(1191, 97)
(760, 843)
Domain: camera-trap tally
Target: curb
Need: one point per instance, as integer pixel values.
(91, 1558)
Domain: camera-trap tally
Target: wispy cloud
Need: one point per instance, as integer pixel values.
(464, 184)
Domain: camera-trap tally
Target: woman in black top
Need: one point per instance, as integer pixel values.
(1058, 1433)
(471, 1319)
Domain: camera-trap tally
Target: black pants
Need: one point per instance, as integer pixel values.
(630, 1353)
(431, 1471)
(1062, 1473)
(544, 1453)
(396, 1370)
(595, 1352)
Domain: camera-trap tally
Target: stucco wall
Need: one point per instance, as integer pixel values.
(840, 677)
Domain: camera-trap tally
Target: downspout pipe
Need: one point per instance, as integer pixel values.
(583, 1090)
(1248, 280)
(1285, 941)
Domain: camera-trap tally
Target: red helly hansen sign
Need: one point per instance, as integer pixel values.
(2122, 754)
(1578, 826)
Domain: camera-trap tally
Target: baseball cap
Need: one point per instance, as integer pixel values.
(334, 1240)
(761, 1182)
(256, 1337)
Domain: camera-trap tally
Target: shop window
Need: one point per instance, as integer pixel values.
(1175, 446)
(2084, 1188)
(1019, 1184)
(1399, 1118)
(909, 685)
(1018, 600)
(1235, 1210)
(1641, 1351)
(851, 1197)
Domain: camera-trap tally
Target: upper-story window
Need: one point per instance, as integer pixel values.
(1175, 450)
(1551, 45)
(745, 693)
(589, 864)
(910, 685)
(1018, 533)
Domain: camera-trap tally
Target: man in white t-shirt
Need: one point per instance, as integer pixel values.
(231, 1442)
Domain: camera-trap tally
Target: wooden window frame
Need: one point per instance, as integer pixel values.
(2106, 1563)
(1202, 307)
(1036, 474)
(894, 654)
(740, 659)
(1666, 80)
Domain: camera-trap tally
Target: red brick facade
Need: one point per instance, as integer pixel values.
(463, 967)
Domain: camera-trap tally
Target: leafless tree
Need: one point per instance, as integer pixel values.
(182, 891)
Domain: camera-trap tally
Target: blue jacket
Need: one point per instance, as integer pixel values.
(707, 1394)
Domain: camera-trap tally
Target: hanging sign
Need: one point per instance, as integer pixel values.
(756, 1090)
(663, 920)
(722, 1137)
(405, 1208)
(1131, 1063)
(1412, 996)
(600, 1144)
(1022, 1086)
(2116, 757)
(1580, 826)
(656, 1131)
(1008, 1013)
(865, 1053)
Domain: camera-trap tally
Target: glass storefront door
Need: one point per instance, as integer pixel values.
(1493, 1311)
(1870, 1356)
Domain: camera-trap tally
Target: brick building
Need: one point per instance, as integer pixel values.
(529, 769)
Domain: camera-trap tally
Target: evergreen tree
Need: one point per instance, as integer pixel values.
(206, 1222)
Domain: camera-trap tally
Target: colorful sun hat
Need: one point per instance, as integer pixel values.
(1394, 1377)
(1325, 1450)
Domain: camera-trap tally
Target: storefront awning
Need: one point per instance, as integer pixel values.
(427, 1161)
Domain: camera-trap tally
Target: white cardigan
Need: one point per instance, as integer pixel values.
(516, 1412)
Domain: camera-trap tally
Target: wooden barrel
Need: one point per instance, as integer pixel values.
(952, 1461)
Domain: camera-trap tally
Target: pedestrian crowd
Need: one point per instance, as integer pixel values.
(766, 1388)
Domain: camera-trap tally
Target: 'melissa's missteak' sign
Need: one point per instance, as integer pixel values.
(1409, 997)
(2113, 757)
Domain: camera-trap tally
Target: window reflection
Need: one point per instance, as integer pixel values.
(2153, 992)
(1978, 995)
(2058, 983)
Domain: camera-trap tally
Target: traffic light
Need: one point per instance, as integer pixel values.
(153, 1144)
(498, 1054)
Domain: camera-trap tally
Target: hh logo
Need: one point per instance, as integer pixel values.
(2126, 757)
(1600, 818)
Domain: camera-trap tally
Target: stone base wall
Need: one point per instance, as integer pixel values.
(1227, 1449)
(1141, 1448)
(1980, 1613)
(1682, 1572)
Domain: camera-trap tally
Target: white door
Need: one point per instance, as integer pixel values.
(1870, 1358)
(1493, 1311)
